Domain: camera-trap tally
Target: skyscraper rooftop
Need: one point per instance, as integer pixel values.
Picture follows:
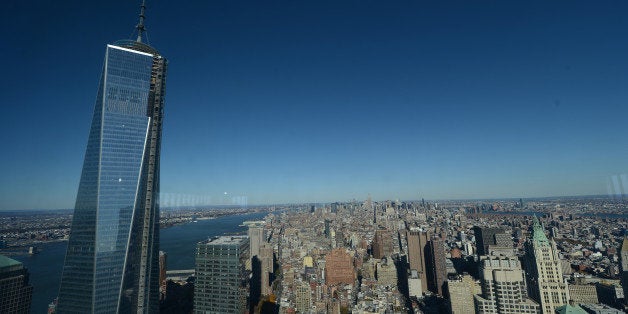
(6, 262)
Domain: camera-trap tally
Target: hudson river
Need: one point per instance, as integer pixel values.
(179, 242)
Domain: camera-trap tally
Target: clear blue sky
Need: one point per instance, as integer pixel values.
(299, 101)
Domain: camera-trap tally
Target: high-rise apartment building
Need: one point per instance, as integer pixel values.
(543, 271)
(112, 259)
(15, 291)
(503, 287)
(221, 279)
(436, 266)
(417, 244)
(339, 267)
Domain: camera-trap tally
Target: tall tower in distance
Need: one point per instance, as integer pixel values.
(112, 260)
(543, 271)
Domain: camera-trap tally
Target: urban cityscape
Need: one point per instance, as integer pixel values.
(536, 225)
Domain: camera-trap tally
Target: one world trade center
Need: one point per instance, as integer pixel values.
(111, 264)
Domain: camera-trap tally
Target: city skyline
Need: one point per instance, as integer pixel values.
(293, 103)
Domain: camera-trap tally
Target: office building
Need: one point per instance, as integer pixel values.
(503, 287)
(387, 273)
(415, 287)
(461, 291)
(339, 267)
(610, 293)
(623, 255)
(600, 309)
(112, 259)
(303, 297)
(417, 244)
(436, 266)
(267, 267)
(543, 271)
(327, 228)
(256, 238)
(221, 279)
(493, 241)
(382, 244)
(15, 291)
(582, 294)
(163, 265)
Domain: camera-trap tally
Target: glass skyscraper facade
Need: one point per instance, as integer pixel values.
(112, 260)
(221, 278)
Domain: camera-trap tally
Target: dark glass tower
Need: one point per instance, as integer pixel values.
(112, 261)
(15, 291)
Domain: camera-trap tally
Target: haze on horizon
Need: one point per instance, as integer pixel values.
(294, 102)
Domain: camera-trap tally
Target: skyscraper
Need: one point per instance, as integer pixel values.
(490, 240)
(382, 244)
(220, 275)
(436, 265)
(112, 260)
(387, 273)
(503, 287)
(327, 228)
(461, 291)
(543, 271)
(256, 237)
(339, 267)
(15, 291)
(303, 297)
(417, 243)
(624, 268)
(267, 267)
(163, 267)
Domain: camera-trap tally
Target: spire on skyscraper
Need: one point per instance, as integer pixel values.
(140, 26)
(538, 234)
(112, 259)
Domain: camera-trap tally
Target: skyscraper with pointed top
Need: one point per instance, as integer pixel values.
(112, 260)
(543, 271)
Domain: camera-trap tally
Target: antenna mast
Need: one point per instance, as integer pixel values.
(140, 27)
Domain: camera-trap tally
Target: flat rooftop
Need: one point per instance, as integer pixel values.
(6, 262)
(226, 240)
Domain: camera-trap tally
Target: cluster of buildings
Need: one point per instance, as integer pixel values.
(403, 257)
(397, 257)
(18, 230)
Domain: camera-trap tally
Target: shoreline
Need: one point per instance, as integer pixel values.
(17, 250)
